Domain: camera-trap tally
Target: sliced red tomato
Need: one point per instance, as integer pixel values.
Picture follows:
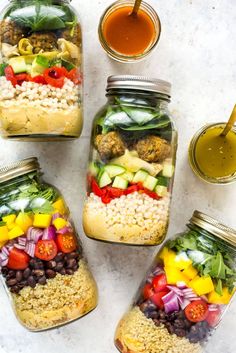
(151, 194)
(10, 76)
(75, 76)
(67, 242)
(106, 199)
(114, 192)
(18, 259)
(21, 78)
(157, 299)
(197, 311)
(96, 189)
(46, 250)
(38, 79)
(213, 317)
(131, 189)
(55, 76)
(148, 291)
(159, 282)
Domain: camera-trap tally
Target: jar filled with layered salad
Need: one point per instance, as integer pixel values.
(41, 260)
(185, 293)
(40, 70)
(132, 163)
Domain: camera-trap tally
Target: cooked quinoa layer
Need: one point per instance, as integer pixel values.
(137, 334)
(63, 299)
(132, 219)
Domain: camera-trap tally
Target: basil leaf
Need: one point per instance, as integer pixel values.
(46, 207)
(218, 287)
(160, 125)
(139, 115)
(218, 267)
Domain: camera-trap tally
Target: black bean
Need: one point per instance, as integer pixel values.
(31, 282)
(162, 315)
(11, 274)
(11, 282)
(42, 280)
(50, 273)
(179, 323)
(152, 315)
(75, 268)
(144, 306)
(22, 284)
(15, 289)
(180, 332)
(63, 271)
(26, 273)
(73, 255)
(70, 263)
(59, 257)
(32, 262)
(38, 273)
(19, 276)
(5, 271)
(157, 322)
(39, 265)
(51, 264)
(69, 271)
(170, 328)
(59, 267)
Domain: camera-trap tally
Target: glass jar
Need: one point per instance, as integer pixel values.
(41, 259)
(185, 293)
(40, 71)
(118, 31)
(212, 157)
(132, 162)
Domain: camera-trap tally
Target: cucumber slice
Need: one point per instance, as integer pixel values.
(161, 180)
(150, 183)
(128, 176)
(140, 176)
(18, 64)
(93, 169)
(104, 180)
(161, 190)
(68, 65)
(113, 170)
(120, 183)
(168, 170)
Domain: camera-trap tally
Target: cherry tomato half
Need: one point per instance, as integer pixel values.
(18, 259)
(159, 282)
(67, 242)
(157, 299)
(55, 76)
(213, 317)
(46, 250)
(196, 311)
(148, 291)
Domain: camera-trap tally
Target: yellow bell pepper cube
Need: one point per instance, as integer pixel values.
(59, 223)
(182, 261)
(164, 253)
(24, 221)
(42, 220)
(9, 219)
(2, 243)
(4, 236)
(60, 206)
(11, 226)
(169, 258)
(202, 285)
(174, 275)
(190, 272)
(215, 298)
(15, 232)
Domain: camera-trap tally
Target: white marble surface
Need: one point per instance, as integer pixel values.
(197, 54)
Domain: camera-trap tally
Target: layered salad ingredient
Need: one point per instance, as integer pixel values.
(182, 299)
(40, 72)
(130, 176)
(41, 259)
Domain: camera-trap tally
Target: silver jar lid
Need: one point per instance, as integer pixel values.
(141, 83)
(213, 226)
(19, 168)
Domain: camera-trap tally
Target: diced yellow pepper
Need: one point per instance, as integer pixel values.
(182, 261)
(202, 285)
(11, 226)
(9, 219)
(60, 206)
(59, 223)
(15, 232)
(169, 258)
(174, 275)
(215, 298)
(4, 236)
(42, 220)
(190, 272)
(2, 243)
(164, 253)
(24, 221)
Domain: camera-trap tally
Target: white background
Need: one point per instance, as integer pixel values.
(197, 54)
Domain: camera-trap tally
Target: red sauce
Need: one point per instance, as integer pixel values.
(129, 34)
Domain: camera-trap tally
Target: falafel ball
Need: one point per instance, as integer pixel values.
(10, 32)
(46, 41)
(153, 149)
(110, 145)
(72, 35)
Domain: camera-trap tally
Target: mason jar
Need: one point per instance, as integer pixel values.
(41, 260)
(132, 163)
(40, 71)
(185, 293)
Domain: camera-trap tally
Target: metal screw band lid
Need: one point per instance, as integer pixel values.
(213, 226)
(19, 168)
(141, 83)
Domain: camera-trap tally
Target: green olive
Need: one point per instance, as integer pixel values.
(25, 47)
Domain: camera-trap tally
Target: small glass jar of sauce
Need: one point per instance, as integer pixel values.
(128, 37)
(212, 157)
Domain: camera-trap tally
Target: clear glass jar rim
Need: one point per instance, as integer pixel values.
(19, 168)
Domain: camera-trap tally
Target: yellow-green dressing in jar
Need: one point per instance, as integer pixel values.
(215, 155)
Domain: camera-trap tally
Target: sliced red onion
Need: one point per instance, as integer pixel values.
(22, 241)
(34, 234)
(213, 307)
(65, 230)
(183, 302)
(20, 246)
(157, 271)
(5, 251)
(30, 248)
(4, 263)
(49, 233)
(181, 285)
(176, 290)
(171, 302)
(56, 215)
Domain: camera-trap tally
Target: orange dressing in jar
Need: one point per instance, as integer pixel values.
(130, 35)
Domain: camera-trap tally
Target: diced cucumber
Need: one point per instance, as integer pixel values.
(128, 176)
(168, 170)
(28, 68)
(104, 180)
(161, 190)
(113, 170)
(38, 69)
(150, 183)
(42, 61)
(161, 180)
(140, 176)
(93, 169)
(18, 64)
(120, 183)
(2, 69)
(68, 65)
